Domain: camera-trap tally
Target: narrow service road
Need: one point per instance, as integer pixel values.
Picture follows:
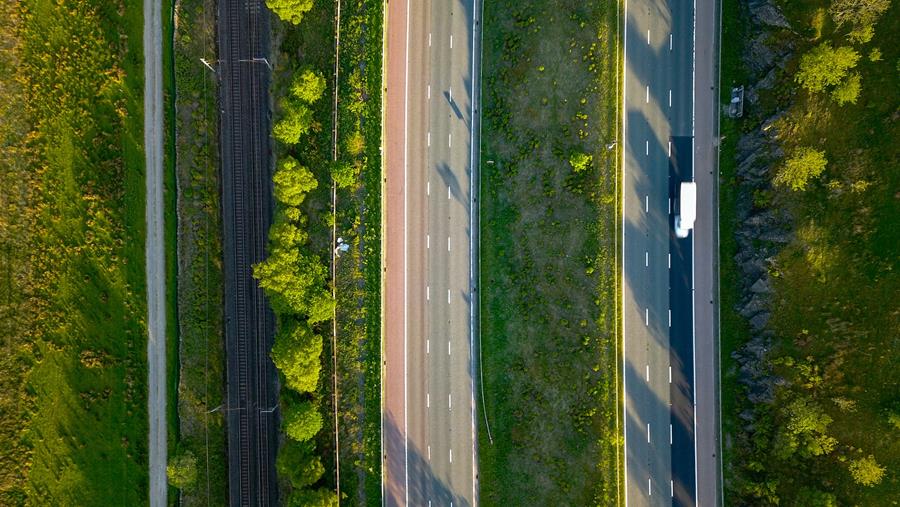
(155, 251)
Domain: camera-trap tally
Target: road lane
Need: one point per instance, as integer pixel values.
(428, 411)
(657, 300)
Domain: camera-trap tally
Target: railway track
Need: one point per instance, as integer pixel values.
(247, 213)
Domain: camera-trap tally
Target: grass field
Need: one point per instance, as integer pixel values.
(358, 278)
(74, 423)
(834, 312)
(548, 310)
(201, 354)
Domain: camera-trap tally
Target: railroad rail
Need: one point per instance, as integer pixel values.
(251, 410)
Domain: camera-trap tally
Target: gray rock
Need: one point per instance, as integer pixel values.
(758, 56)
(760, 320)
(768, 126)
(763, 12)
(761, 286)
(753, 307)
(776, 236)
(753, 267)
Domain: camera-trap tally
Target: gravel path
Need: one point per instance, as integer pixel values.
(155, 248)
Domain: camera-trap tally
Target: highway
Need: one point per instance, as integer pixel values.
(251, 410)
(431, 55)
(669, 312)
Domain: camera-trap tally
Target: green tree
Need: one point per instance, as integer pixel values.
(291, 11)
(804, 165)
(857, 12)
(301, 421)
(580, 161)
(313, 498)
(848, 91)
(284, 234)
(809, 497)
(308, 86)
(295, 283)
(297, 462)
(344, 174)
(866, 471)
(296, 121)
(804, 429)
(823, 66)
(297, 354)
(182, 470)
(292, 182)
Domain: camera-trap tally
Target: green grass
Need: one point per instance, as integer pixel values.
(359, 270)
(835, 306)
(201, 354)
(548, 273)
(79, 371)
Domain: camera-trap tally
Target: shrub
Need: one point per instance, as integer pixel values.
(182, 470)
(344, 174)
(848, 91)
(580, 161)
(804, 165)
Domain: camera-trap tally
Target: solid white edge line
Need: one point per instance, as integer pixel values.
(622, 190)
(472, 210)
(406, 263)
(693, 250)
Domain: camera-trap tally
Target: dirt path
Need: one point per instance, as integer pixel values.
(155, 249)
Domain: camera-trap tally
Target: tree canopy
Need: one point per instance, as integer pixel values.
(292, 182)
(848, 91)
(291, 11)
(301, 421)
(308, 86)
(804, 165)
(296, 121)
(805, 430)
(866, 471)
(824, 66)
(858, 12)
(296, 353)
(297, 462)
(295, 283)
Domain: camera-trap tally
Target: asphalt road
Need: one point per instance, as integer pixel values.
(432, 54)
(668, 303)
(251, 410)
(155, 248)
(706, 255)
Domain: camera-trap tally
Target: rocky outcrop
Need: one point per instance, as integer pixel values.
(761, 229)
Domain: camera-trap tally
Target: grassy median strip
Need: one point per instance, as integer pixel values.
(73, 407)
(548, 274)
